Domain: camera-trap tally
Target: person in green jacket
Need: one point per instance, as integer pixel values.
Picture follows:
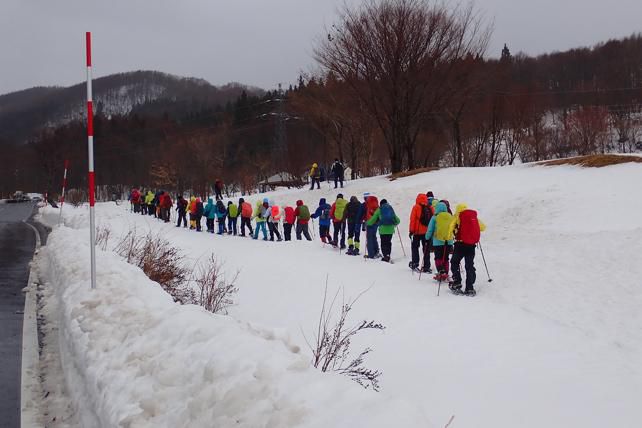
(388, 222)
(149, 202)
(232, 215)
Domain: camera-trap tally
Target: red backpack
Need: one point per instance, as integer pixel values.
(469, 232)
(246, 210)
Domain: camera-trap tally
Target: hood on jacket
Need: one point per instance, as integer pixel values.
(460, 208)
(314, 165)
(441, 208)
(266, 201)
(422, 199)
(210, 201)
(192, 199)
(299, 203)
(241, 200)
(321, 201)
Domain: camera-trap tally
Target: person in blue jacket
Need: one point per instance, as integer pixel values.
(209, 211)
(221, 214)
(323, 214)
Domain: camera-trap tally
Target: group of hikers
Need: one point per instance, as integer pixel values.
(433, 229)
(317, 174)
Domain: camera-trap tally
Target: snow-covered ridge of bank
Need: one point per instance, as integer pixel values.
(134, 358)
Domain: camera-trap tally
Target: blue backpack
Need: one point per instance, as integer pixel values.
(325, 213)
(387, 215)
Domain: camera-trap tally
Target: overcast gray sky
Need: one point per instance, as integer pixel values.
(257, 42)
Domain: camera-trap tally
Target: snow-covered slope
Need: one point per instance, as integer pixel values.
(555, 340)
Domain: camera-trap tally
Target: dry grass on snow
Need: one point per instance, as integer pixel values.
(412, 172)
(594, 161)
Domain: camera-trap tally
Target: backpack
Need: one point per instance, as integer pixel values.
(372, 203)
(340, 209)
(325, 213)
(246, 210)
(276, 215)
(304, 212)
(426, 215)
(387, 215)
(469, 232)
(442, 226)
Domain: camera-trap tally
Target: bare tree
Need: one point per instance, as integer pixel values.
(396, 55)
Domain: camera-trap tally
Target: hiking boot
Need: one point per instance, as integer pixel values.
(457, 292)
(385, 259)
(343, 247)
(350, 251)
(377, 256)
(355, 252)
(470, 293)
(413, 265)
(427, 270)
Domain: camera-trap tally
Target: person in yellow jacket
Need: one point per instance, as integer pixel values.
(466, 229)
(315, 176)
(191, 208)
(442, 239)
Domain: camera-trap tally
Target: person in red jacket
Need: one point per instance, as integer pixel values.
(288, 223)
(166, 206)
(245, 210)
(302, 214)
(419, 219)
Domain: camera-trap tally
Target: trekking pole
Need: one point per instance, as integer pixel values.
(313, 227)
(485, 265)
(443, 261)
(400, 241)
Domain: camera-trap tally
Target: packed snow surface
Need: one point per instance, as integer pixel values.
(555, 340)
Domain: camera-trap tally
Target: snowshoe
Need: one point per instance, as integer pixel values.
(355, 252)
(470, 293)
(385, 259)
(454, 285)
(350, 252)
(457, 291)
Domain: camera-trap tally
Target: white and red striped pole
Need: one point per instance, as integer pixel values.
(90, 176)
(64, 186)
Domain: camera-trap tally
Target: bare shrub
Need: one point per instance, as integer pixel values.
(129, 247)
(160, 261)
(215, 292)
(331, 350)
(76, 197)
(102, 237)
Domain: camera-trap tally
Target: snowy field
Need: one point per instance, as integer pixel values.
(555, 340)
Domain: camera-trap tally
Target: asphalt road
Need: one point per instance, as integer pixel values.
(17, 245)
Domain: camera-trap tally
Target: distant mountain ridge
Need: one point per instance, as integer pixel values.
(24, 113)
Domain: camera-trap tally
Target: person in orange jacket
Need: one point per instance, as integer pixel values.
(420, 216)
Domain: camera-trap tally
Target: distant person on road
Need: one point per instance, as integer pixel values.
(315, 176)
(338, 171)
(218, 189)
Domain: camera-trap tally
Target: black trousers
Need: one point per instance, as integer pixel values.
(324, 233)
(419, 241)
(466, 252)
(338, 180)
(210, 224)
(246, 222)
(181, 215)
(302, 229)
(340, 228)
(287, 231)
(386, 244)
(315, 180)
(274, 230)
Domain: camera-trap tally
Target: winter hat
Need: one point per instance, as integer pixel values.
(314, 165)
(340, 196)
(229, 203)
(429, 194)
(383, 201)
(299, 203)
(241, 201)
(266, 201)
(354, 199)
(322, 201)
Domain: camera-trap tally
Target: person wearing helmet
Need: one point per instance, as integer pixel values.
(315, 176)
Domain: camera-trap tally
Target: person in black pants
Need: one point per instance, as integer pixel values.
(181, 207)
(337, 170)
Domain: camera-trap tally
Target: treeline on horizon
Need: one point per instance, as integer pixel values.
(472, 112)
